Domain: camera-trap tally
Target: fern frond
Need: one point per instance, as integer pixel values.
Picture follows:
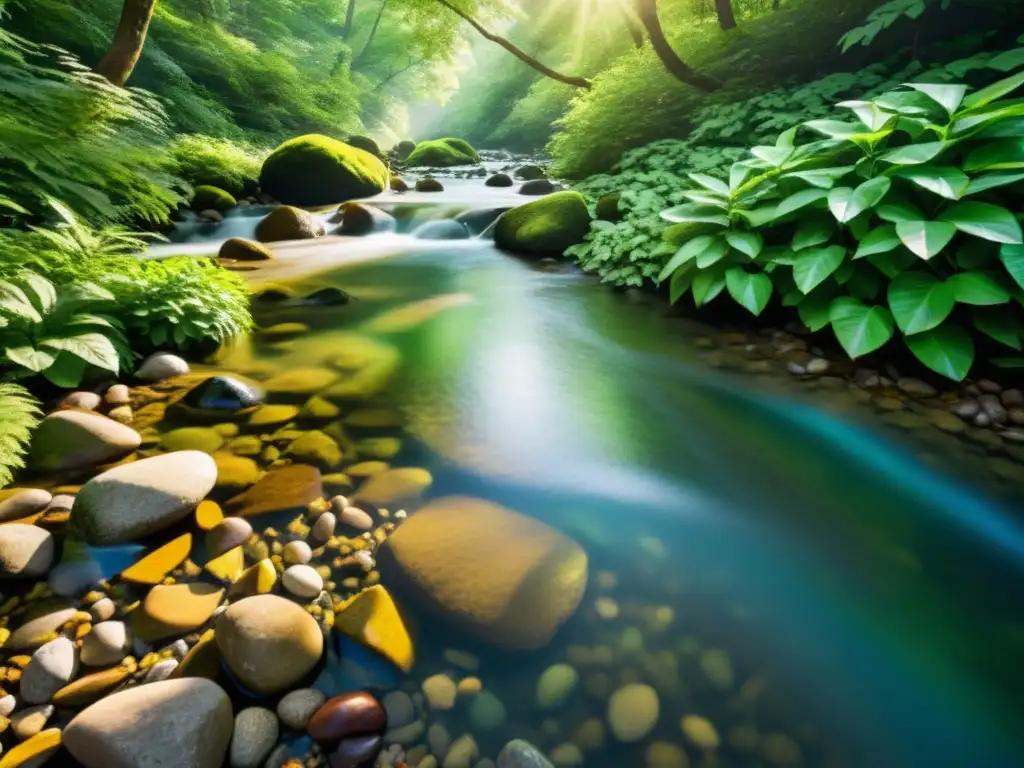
(19, 414)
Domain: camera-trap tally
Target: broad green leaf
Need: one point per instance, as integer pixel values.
(758, 217)
(710, 183)
(835, 129)
(688, 251)
(894, 262)
(774, 156)
(868, 113)
(812, 266)
(750, 290)
(866, 281)
(1008, 60)
(846, 203)
(919, 302)
(881, 239)
(1001, 323)
(993, 180)
(1008, 362)
(681, 281)
(695, 213)
(898, 211)
(860, 328)
(995, 91)
(822, 178)
(787, 138)
(94, 348)
(747, 243)
(38, 289)
(706, 287)
(799, 200)
(984, 220)
(949, 96)
(738, 175)
(35, 360)
(714, 253)
(1012, 257)
(914, 154)
(998, 155)
(813, 308)
(980, 288)
(67, 370)
(697, 196)
(813, 230)
(947, 350)
(925, 238)
(945, 181)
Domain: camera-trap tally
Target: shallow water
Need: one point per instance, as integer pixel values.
(870, 606)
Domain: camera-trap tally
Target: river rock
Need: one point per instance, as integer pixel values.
(234, 473)
(439, 740)
(86, 401)
(538, 187)
(530, 173)
(399, 708)
(118, 394)
(39, 626)
(315, 448)
(24, 502)
(171, 610)
(316, 170)
(106, 644)
(633, 712)
(486, 711)
(183, 723)
(462, 753)
(504, 577)
(192, 439)
(440, 691)
(289, 223)
(26, 551)
(141, 498)
(77, 439)
(556, 685)
(223, 393)
(442, 229)
(393, 487)
(297, 553)
(268, 642)
(239, 249)
(700, 732)
(300, 383)
(229, 533)
(499, 180)
(356, 752)
(27, 722)
(360, 219)
(522, 754)
(255, 734)
(354, 517)
(290, 488)
(51, 668)
(33, 752)
(302, 581)
(326, 297)
(297, 707)
(345, 716)
(371, 618)
(429, 184)
(323, 528)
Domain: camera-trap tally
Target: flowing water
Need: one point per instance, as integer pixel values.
(785, 562)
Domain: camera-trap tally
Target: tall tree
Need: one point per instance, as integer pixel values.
(726, 18)
(350, 16)
(124, 52)
(373, 34)
(647, 10)
(636, 31)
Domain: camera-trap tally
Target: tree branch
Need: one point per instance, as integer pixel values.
(350, 16)
(647, 10)
(373, 33)
(636, 30)
(120, 59)
(578, 82)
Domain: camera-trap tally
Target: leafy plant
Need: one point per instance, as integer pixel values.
(897, 219)
(19, 414)
(62, 334)
(884, 17)
(77, 240)
(205, 160)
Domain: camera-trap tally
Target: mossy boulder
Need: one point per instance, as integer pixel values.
(288, 223)
(544, 227)
(499, 180)
(608, 207)
(364, 143)
(403, 149)
(318, 170)
(398, 184)
(443, 153)
(531, 172)
(238, 249)
(537, 187)
(212, 198)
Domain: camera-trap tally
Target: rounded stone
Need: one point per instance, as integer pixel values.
(399, 708)
(345, 716)
(462, 753)
(633, 712)
(162, 670)
(38, 628)
(665, 754)
(297, 553)
(223, 393)
(87, 401)
(23, 503)
(255, 734)
(26, 551)
(297, 707)
(302, 581)
(522, 754)
(118, 394)
(566, 755)
(192, 439)
(186, 723)
(160, 366)
(229, 533)
(323, 528)
(106, 644)
(27, 722)
(268, 642)
(171, 610)
(440, 691)
(301, 382)
(486, 711)
(51, 668)
(138, 499)
(354, 517)
(77, 439)
(102, 609)
(357, 752)
(556, 685)
(700, 732)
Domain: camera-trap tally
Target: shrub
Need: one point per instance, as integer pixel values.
(898, 219)
(19, 414)
(207, 161)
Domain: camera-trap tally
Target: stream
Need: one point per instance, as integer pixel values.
(861, 574)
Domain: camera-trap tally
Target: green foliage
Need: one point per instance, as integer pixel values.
(19, 414)
(66, 133)
(233, 166)
(442, 153)
(884, 17)
(898, 217)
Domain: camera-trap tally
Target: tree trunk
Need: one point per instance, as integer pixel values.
(122, 56)
(634, 26)
(373, 34)
(647, 10)
(508, 45)
(726, 18)
(350, 17)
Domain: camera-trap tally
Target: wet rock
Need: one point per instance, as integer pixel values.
(234, 473)
(360, 219)
(499, 180)
(356, 752)
(439, 740)
(152, 568)
(138, 499)
(990, 387)
(442, 229)
(231, 532)
(172, 610)
(530, 172)
(268, 642)
(183, 723)
(106, 644)
(916, 388)
(300, 383)
(566, 755)
(297, 552)
(51, 668)
(372, 619)
(326, 297)
(993, 408)
(290, 488)
(1013, 398)
(39, 625)
(255, 734)
(522, 754)
(440, 691)
(315, 448)
(288, 223)
(271, 296)
(118, 394)
(239, 249)
(429, 184)
(192, 439)
(556, 685)
(700, 732)
(347, 716)
(27, 722)
(318, 409)
(223, 393)
(462, 753)
(544, 228)
(399, 708)
(296, 708)
(87, 401)
(323, 528)
(633, 712)
(966, 409)
(407, 734)
(76, 439)
(102, 610)
(26, 551)
(486, 711)
(538, 187)
(302, 581)
(354, 517)
(393, 487)
(208, 214)
(162, 670)
(23, 503)
(665, 754)
(817, 366)
(504, 577)
(398, 184)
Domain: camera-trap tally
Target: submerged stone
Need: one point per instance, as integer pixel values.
(192, 439)
(444, 229)
(223, 393)
(371, 618)
(359, 219)
(545, 227)
(171, 610)
(393, 487)
(290, 488)
(152, 568)
(326, 297)
(300, 382)
(238, 249)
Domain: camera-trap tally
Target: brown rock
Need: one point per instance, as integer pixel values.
(170, 610)
(75, 439)
(291, 488)
(351, 714)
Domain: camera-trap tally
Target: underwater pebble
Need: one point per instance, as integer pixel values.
(296, 707)
(440, 691)
(700, 732)
(399, 708)
(254, 736)
(302, 581)
(633, 712)
(297, 553)
(555, 686)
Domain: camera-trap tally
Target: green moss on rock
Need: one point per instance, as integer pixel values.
(442, 153)
(319, 170)
(429, 184)
(288, 223)
(544, 227)
(364, 143)
(207, 198)
(238, 249)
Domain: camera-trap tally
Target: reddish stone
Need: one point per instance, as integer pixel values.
(351, 714)
(359, 752)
